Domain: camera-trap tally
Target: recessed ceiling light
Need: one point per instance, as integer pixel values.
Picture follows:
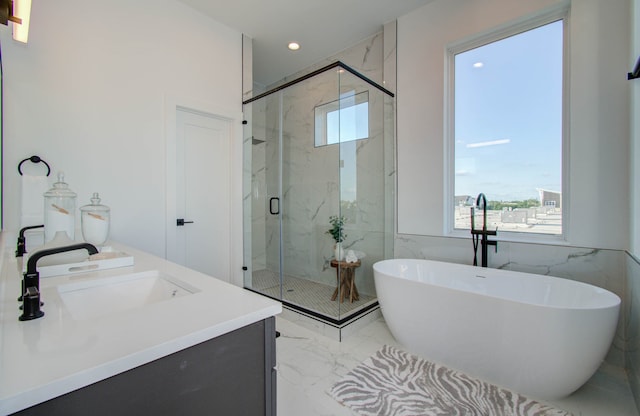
(294, 46)
(478, 65)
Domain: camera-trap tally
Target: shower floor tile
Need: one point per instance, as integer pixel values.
(307, 294)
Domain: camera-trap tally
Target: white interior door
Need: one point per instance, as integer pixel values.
(203, 193)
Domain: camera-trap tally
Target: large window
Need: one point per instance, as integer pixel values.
(508, 130)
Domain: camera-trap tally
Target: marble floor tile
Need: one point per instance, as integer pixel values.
(308, 294)
(310, 363)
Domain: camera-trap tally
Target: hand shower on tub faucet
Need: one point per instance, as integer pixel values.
(483, 198)
(475, 238)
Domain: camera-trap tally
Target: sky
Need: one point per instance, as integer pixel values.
(508, 116)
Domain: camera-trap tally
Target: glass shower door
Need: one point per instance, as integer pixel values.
(262, 196)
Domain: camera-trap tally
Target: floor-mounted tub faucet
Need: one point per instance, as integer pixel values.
(475, 234)
(31, 279)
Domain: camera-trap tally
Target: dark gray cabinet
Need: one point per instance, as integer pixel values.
(229, 375)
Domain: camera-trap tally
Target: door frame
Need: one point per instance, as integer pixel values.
(171, 105)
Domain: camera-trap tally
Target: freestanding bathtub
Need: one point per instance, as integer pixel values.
(541, 336)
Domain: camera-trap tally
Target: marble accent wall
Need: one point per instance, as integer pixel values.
(632, 313)
(603, 268)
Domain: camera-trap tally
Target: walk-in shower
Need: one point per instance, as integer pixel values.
(318, 147)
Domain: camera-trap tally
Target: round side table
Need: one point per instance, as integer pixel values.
(346, 280)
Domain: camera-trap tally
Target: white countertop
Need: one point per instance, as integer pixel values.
(53, 355)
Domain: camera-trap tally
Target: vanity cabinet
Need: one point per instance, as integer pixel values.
(233, 374)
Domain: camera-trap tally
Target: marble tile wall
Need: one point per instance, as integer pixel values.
(603, 268)
(632, 312)
(365, 57)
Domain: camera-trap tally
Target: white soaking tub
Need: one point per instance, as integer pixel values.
(539, 335)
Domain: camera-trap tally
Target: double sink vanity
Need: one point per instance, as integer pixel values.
(150, 338)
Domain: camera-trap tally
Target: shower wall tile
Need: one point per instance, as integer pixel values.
(256, 195)
(603, 268)
(389, 52)
(256, 188)
(390, 178)
(247, 67)
(366, 57)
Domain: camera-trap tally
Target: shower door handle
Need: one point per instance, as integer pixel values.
(277, 209)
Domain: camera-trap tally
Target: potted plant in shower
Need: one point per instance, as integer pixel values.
(338, 234)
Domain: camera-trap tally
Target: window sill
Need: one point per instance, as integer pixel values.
(512, 237)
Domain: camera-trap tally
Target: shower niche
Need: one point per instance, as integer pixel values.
(318, 147)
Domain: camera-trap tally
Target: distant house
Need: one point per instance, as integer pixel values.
(464, 200)
(550, 198)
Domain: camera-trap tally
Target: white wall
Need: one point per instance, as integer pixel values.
(635, 133)
(88, 92)
(599, 119)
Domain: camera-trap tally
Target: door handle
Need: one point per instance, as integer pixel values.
(180, 222)
(277, 210)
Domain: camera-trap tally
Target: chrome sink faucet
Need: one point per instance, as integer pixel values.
(31, 279)
(475, 234)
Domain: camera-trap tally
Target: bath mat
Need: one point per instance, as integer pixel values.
(393, 382)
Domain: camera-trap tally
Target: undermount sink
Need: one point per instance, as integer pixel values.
(102, 297)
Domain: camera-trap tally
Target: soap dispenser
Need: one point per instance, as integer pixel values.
(95, 219)
(59, 208)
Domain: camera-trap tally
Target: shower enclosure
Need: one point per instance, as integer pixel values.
(316, 147)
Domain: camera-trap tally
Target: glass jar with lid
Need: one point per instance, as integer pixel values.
(59, 209)
(95, 219)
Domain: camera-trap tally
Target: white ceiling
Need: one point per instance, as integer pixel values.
(322, 27)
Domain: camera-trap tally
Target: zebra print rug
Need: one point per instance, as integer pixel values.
(393, 382)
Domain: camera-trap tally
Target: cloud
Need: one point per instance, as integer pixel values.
(488, 143)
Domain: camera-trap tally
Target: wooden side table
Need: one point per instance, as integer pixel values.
(346, 280)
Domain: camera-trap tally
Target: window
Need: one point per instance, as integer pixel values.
(506, 130)
(343, 120)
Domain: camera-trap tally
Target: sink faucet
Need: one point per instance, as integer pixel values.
(21, 247)
(475, 234)
(31, 279)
